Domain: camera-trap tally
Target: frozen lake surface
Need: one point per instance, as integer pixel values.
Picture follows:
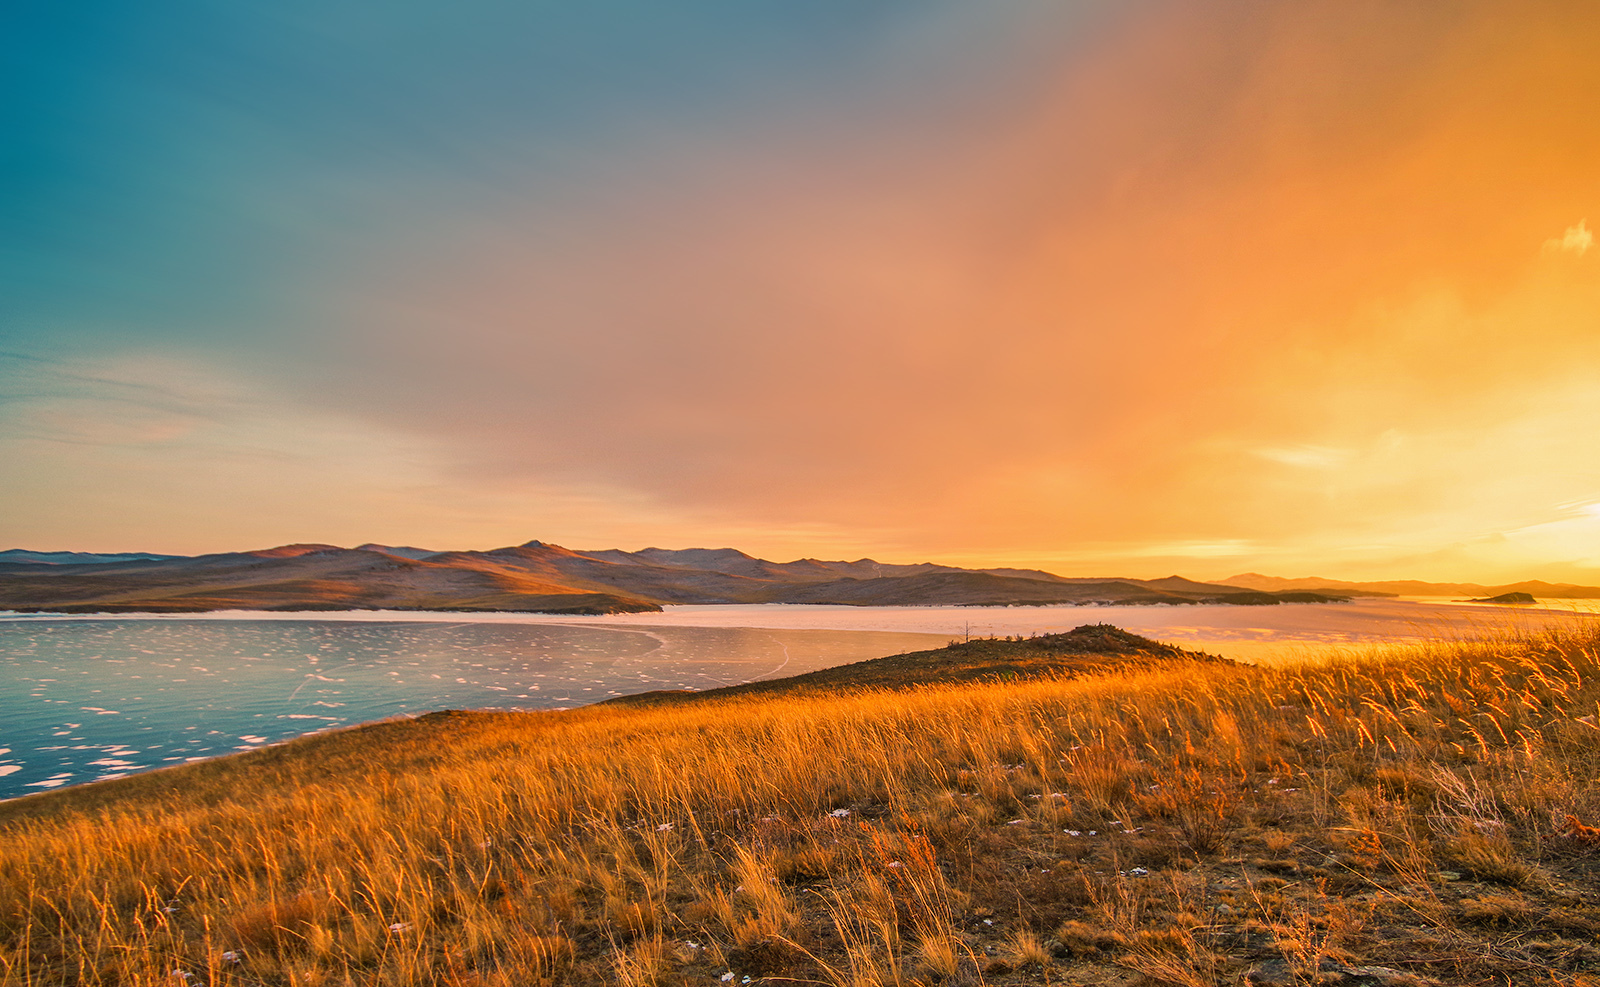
(90, 697)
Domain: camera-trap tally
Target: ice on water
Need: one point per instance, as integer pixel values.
(87, 699)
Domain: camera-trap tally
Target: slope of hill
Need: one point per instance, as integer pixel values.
(401, 551)
(541, 577)
(1424, 817)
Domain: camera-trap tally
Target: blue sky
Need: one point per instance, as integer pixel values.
(175, 171)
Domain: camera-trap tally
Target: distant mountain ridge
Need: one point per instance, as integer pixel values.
(540, 577)
(75, 558)
(1412, 587)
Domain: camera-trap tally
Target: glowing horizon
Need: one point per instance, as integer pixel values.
(1102, 288)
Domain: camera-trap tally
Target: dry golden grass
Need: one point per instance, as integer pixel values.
(1192, 825)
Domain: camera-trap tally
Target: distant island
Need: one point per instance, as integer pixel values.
(1512, 597)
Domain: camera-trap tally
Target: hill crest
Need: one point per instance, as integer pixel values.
(1090, 649)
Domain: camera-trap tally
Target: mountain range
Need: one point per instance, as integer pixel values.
(1413, 587)
(539, 577)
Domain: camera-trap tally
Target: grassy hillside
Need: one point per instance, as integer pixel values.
(1422, 816)
(1093, 649)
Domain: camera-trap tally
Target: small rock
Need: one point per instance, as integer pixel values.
(1269, 973)
(1374, 976)
(1449, 875)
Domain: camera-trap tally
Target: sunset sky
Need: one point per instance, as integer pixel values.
(1108, 288)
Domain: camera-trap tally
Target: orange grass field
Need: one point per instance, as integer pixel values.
(1419, 816)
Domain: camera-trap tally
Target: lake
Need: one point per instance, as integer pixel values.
(84, 698)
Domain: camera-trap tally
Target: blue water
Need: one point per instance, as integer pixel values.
(87, 699)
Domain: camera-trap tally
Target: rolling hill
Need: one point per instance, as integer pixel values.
(545, 578)
(1092, 649)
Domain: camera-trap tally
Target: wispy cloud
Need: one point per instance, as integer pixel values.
(1576, 240)
(1308, 456)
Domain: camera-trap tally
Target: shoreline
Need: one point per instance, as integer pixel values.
(1262, 636)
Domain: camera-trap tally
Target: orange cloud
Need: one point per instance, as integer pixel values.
(1270, 279)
